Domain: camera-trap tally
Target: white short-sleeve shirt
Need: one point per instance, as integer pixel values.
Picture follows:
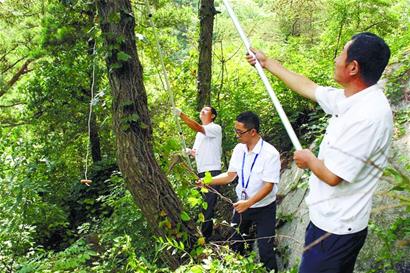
(208, 148)
(265, 170)
(357, 139)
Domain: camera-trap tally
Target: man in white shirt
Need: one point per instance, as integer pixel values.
(352, 153)
(257, 164)
(207, 151)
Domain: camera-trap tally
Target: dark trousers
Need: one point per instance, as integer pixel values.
(264, 220)
(333, 254)
(210, 198)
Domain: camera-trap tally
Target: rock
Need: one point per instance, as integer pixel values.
(292, 216)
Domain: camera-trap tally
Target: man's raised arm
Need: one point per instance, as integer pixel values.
(190, 122)
(298, 83)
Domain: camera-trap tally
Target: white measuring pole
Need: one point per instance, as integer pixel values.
(167, 85)
(276, 103)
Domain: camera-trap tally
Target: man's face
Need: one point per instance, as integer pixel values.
(243, 134)
(341, 74)
(206, 114)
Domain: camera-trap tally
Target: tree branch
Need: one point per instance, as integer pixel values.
(23, 70)
(12, 105)
(372, 25)
(8, 124)
(2, 58)
(13, 65)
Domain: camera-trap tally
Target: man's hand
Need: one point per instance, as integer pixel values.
(303, 158)
(200, 183)
(176, 111)
(260, 56)
(190, 152)
(242, 205)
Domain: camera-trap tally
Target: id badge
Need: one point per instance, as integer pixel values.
(244, 196)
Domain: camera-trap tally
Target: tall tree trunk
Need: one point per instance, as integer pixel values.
(206, 15)
(148, 185)
(94, 128)
(95, 139)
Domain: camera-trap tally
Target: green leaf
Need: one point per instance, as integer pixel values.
(201, 217)
(193, 201)
(115, 66)
(196, 269)
(185, 217)
(208, 178)
(122, 56)
(114, 17)
(133, 117)
(127, 103)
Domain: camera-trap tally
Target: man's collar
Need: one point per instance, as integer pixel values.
(348, 102)
(257, 148)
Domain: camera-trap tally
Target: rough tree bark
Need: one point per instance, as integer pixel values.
(148, 185)
(207, 13)
(95, 139)
(94, 128)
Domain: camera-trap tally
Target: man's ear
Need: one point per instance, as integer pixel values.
(213, 116)
(354, 68)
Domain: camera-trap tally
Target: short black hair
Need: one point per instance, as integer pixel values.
(213, 111)
(372, 54)
(249, 119)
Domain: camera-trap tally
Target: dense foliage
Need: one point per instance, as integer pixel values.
(52, 70)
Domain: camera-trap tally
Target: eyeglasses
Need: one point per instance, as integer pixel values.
(240, 133)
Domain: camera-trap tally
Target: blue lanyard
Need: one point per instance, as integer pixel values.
(250, 172)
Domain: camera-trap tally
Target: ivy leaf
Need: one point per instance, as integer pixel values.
(162, 213)
(208, 178)
(196, 269)
(185, 217)
(201, 241)
(114, 17)
(115, 66)
(168, 224)
(133, 117)
(122, 56)
(201, 217)
(193, 201)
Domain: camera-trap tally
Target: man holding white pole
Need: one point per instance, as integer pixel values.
(207, 151)
(352, 153)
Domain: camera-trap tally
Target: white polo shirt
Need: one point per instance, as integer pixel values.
(359, 132)
(265, 170)
(208, 148)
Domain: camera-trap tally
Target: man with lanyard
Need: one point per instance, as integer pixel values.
(344, 175)
(207, 151)
(257, 164)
